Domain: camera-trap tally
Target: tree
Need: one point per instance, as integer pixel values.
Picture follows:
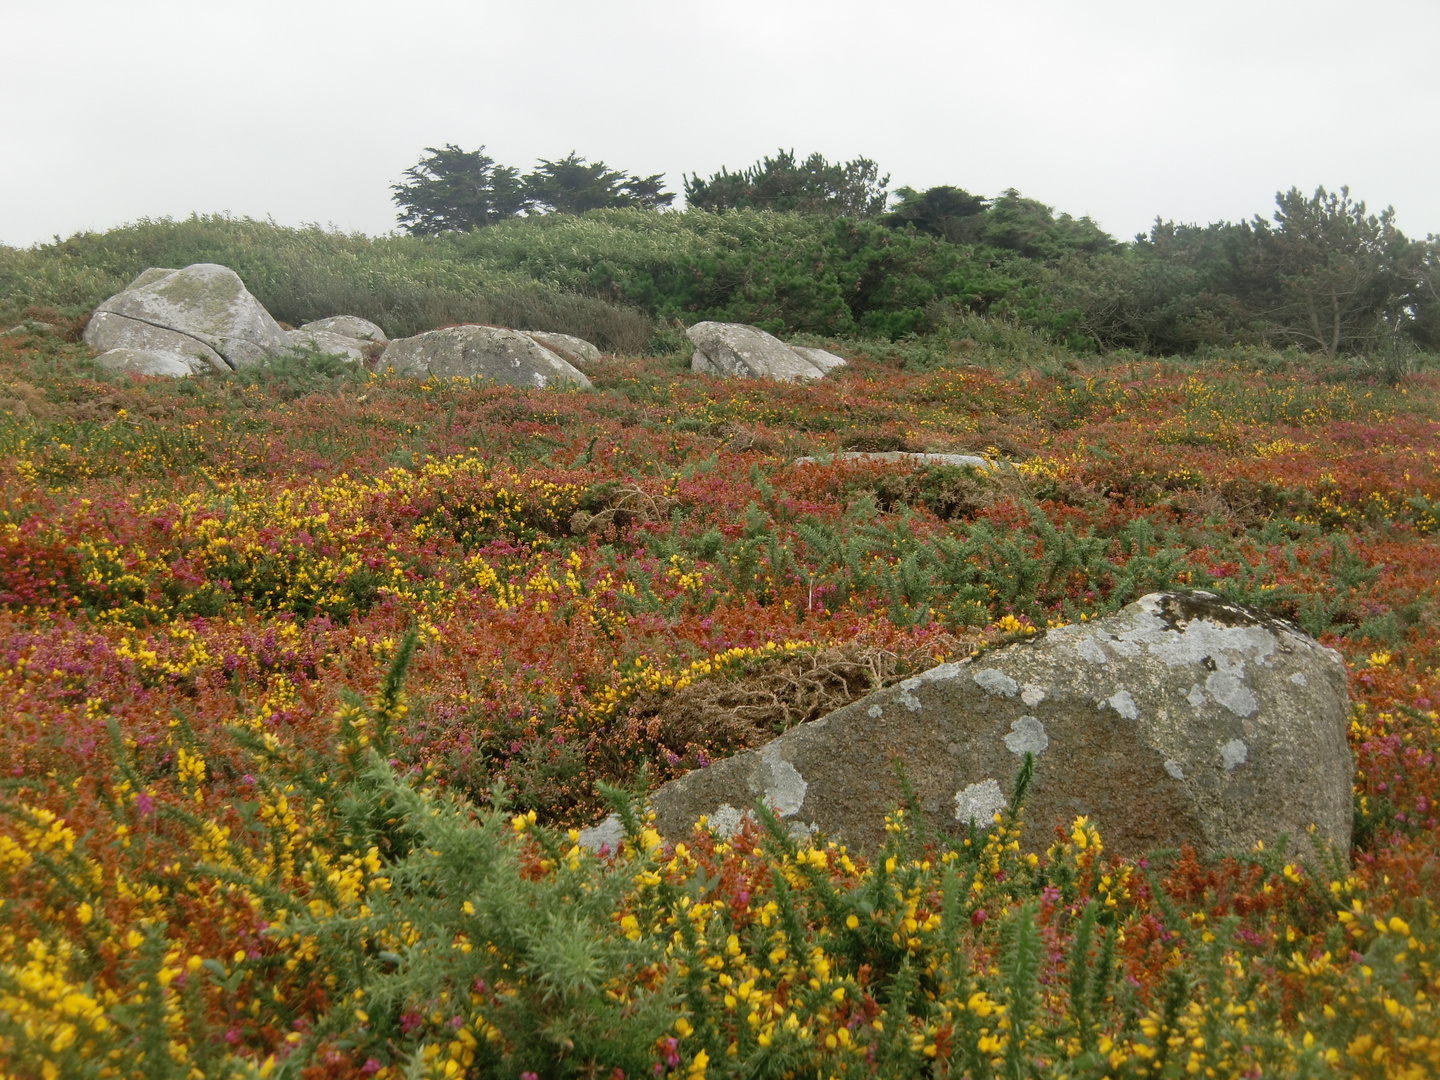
(853, 189)
(1342, 275)
(949, 212)
(573, 186)
(454, 190)
(458, 190)
(1032, 229)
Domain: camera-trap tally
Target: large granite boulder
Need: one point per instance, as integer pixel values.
(503, 356)
(347, 335)
(573, 350)
(1181, 719)
(177, 310)
(734, 350)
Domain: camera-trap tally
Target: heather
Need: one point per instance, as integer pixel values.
(310, 676)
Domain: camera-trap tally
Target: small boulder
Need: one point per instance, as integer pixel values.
(204, 302)
(1180, 719)
(737, 351)
(573, 350)
(150, 362)
(347, 335)
(351, 326)
(503, 356)
(825, 361)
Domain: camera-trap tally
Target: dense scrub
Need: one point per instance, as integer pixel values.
(1328, 280)
(307, 678)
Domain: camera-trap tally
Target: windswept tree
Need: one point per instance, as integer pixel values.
(815, 186)
(948, 212)
(1342, 277)
(454, 190)
(572, 186)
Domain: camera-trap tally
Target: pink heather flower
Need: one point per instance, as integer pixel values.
(370, 1066)
(144, 804)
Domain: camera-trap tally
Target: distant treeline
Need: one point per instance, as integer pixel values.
(792, 245)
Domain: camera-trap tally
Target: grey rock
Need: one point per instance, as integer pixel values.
(149, 362)
(347, 335)
(106, 332)
(32, 327)
(825, 361)
(327, 342)
(206, 302)
(573, 350)
(351, 326)
(503, 356)
(900, 457)
(737, 351)
(1177, 720)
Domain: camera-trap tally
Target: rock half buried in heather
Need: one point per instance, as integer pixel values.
(1181, 719)
(181, 310)
(901, 457)
(348, 335)
(737, 351)
(489, 352)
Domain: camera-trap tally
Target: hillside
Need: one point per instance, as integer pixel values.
(308, 673)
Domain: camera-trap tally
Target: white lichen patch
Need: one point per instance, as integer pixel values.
(993, 681)
(980, 803)
(941, 672)
(1299, 679)
(1027, 736)
(725, 821)
(909, 700)
(1124, 704)
(1173, 768)
(1032, 695)
(1196, 697)
(875, 712)
(1230, 690)
(1234, 753)
(1091, 651)
(784, 786)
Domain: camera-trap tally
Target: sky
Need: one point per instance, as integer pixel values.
(307, 112)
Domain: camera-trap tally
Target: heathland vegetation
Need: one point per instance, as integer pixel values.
(308, 673)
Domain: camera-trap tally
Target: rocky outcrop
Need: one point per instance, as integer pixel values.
(149, 362)
(734, 350)
(205, 303)
(573, 350)
(1181, 719)
(503, 356)
(350, 335)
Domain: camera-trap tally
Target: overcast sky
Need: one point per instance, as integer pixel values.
(307, 112)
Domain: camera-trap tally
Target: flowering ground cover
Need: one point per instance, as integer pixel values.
(308, 680)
